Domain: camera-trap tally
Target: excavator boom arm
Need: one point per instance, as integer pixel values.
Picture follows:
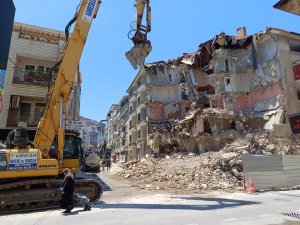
(51, 122)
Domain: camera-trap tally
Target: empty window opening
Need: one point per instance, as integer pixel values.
(228, 87)
(214, 104)
(226, 66)
(207, 128)
(294, 47)
(139, 117)
(232, 125)
(228, 81)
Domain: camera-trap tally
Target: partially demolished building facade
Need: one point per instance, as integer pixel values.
(255, 76)
(231, 85)
(160, 93)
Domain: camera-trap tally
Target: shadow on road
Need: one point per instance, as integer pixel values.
(219, 204)
(220, 200)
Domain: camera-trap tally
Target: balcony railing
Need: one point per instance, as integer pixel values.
(30, 77)
(31, 119)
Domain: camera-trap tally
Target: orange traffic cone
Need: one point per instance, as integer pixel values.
(251, 186)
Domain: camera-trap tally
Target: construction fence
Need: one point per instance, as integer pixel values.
(272, 171)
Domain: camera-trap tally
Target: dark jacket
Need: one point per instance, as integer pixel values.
(68, 192)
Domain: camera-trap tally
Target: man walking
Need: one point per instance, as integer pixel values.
(67, 189)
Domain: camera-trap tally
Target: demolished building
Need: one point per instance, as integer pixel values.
(230, 86)
(254, 78)
(160, 93)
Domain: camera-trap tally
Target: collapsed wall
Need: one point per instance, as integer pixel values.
(215, 170)
(245, 100)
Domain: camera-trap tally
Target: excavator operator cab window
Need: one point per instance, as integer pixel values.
(71, 150)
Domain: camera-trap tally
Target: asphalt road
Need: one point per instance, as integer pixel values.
(124, 203)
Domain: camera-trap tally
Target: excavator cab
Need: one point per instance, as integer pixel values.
(71, 151)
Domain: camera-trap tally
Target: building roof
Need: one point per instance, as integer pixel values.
(37, 33)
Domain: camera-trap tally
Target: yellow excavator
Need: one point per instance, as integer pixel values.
(31, 173)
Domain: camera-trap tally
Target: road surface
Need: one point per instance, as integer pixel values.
(125, 203)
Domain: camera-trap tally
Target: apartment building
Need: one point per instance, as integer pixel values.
(159, 94)
(89, 134)
(33, 52)
(120, 131)
(253, 77)
(110, 130)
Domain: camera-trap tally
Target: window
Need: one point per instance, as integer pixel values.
(139, 134)
(214, 104)
(139, 117)
(70, 148)
(228, 87)
(130, 138)
(294, 47)
(226, 66)
(41, 68)
(39, 111)
(25, 112)
(228, 81)
(29, 68)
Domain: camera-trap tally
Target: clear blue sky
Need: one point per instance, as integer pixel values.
(177, 26)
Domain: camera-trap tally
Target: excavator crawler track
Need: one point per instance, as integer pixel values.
(41, 194)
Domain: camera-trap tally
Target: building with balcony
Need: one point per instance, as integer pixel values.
(120, 131)
(33, 52)
(89, 134)
(159, 94)
(111, 129)
(256, 76)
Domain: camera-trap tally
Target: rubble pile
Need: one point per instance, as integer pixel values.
(222, 170)
(185, 172)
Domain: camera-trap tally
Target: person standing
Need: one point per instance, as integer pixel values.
(108, 164)
(103, 163)
(67, 189)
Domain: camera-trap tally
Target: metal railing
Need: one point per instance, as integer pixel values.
(31, 77)
(32, 120)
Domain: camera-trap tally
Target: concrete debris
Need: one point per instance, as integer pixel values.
(204, 151)
(222, 170)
